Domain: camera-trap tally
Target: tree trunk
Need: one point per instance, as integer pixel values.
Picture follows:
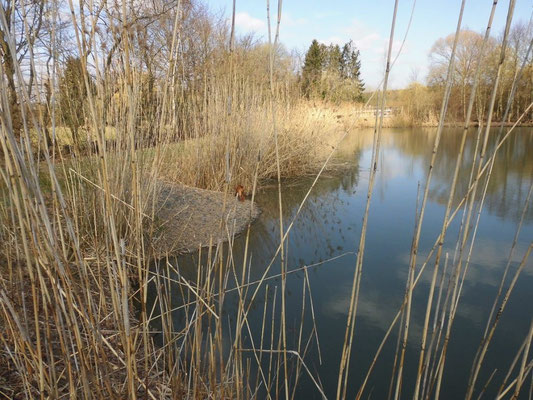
(9, 70)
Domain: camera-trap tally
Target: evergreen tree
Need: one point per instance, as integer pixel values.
(313, 65)
(72, 95)
(331, 74)
(351, 68)
(334, 58)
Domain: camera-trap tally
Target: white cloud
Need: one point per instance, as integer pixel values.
(325, 14)
(367, 38)
(364, 37)
(373, 47)
(371, 41)
(246, 22)
(288, 20)
(332, 40)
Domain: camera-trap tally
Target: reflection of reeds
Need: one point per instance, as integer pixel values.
(342, 383)
(406, 307)
(76, 249)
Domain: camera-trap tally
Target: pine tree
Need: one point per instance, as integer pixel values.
(72, 95)
(313, 65)
(331, 74)
(351, 68)
(334, 58)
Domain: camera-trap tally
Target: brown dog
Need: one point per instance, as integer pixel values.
(239, 192)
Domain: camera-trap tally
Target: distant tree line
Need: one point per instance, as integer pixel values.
(468, 57)
(421, 100)
(185, 80)
(330, 73)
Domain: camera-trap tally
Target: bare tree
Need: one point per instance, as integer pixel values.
(24, 21)
(467, 54)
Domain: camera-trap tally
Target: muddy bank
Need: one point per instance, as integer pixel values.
(187, 218)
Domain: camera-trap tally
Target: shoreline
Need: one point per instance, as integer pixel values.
(188, 218)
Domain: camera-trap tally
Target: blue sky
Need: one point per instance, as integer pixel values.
(367, 23)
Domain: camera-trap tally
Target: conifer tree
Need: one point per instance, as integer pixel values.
(334, 58)
(72, 95)
(331, 74)
(313, 66)
(351, 67)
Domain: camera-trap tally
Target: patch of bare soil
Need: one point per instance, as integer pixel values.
(187, 218)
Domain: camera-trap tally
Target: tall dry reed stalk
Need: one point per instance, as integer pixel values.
(78, 266)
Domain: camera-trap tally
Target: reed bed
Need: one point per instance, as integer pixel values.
(87, 309)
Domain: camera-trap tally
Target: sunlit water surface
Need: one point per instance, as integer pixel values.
(329, 226)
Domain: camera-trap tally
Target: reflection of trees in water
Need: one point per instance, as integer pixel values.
(319, 232)
(310, 241)
(349, 180)
(313, 225)
(511, 175)
(317, 219)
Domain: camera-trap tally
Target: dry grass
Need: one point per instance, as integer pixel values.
(76, 240)
(305, 138)
(76, 260)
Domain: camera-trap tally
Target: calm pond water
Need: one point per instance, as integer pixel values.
(329, 226)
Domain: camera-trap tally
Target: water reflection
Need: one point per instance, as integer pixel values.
(408, 151)
(329, 225)
(511, 175)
